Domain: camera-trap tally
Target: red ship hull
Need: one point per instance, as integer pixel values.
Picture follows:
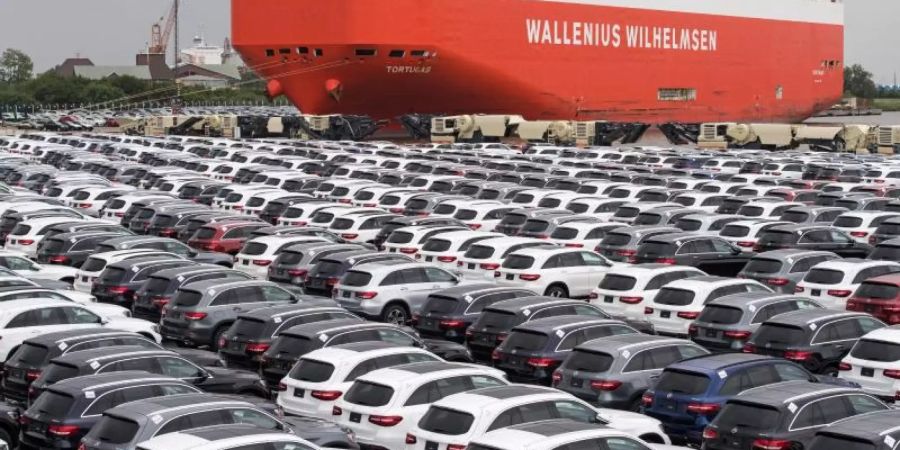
(649, 61)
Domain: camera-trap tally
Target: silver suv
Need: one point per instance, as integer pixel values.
(391, 291)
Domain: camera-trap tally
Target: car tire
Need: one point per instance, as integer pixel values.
(214, 346)
(395, 313)
(5, 436)
(557, 290)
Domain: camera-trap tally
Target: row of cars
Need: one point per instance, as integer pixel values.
(503, 294)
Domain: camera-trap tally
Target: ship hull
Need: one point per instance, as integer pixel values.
(651, 61)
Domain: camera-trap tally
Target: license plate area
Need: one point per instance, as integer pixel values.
(665, 314)
(867, 372)
(816, 292)
(299, 393)
(510, 276)
(577, 382)
(712, 333)
(608, 299)
(355, 417)
(429, 445)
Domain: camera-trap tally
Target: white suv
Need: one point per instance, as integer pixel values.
(625, 291)
(481, 260)
(445, 249)
(831, 283)
(872, 363)
(555, 272)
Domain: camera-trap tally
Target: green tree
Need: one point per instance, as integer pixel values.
(15, 66)
(50, 88)
(858, 82)
(101, 92)
(129, 84)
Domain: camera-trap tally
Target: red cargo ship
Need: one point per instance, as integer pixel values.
(649, 61)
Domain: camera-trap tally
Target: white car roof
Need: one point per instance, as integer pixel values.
(853, 265)
(489, 400)
(708, 283)
(337, 354)
(398, 376)
(887, 334)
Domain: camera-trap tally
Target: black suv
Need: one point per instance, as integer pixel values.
(160, 287)
(811, 237)
(709, 253)
(448, 313)
(119, 281)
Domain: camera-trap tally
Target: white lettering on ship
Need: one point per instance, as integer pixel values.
(614, 35)
(409, 69)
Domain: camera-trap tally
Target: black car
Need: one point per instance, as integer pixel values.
(276, 208)
(243, 345)
(66, 411)
(816, 338)
(161, 286)
(73, 249)
(787, 413)
(299, 340)
(811, 237)
(709, 253)
(166, 245)
(168, 223)
(876, 431)
(887, 230)
(496, 321)
(118, 282)
(401, 222)
(74, 227)
(325, 275)
(448, 313)
(210, 217)
(164, 362)
(533, 350)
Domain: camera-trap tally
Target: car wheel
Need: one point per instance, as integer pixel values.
(214, 346)
(6, 437)
(557, 290)
(395, 314)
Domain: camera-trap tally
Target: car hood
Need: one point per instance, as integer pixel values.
(221, 372)
(109, 311)
(624, 419)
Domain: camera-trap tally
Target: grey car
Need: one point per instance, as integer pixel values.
(201, 312)
(292, 264)
(727, 322)
(876, 431)
(889, 229)
(542, 227)
(126, 425)
(790, 412)
(167, 245)
(664, 215)
(781, 270)
(888, 250)
(622, 244)
(615, 371)
(812, 214)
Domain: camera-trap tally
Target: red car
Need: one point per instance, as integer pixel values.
(880, 297)
(225, 237)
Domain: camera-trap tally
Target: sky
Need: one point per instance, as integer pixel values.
(112, 31)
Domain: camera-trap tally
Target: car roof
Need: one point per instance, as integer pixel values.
(221, 283)
(68, 336)
(267, 313)
(328, 326)
(620, 342)
(113, 352)
(563, 323)
(891, 278)
(718, 361)
(757, 299)
(797, 391)
(803, 317)
(790, 253)
(854, 264)
(523, 303)
(170, 403)
(110, 380)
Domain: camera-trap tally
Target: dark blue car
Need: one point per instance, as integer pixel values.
(690, 393)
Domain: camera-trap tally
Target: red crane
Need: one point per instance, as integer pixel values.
(162, 31)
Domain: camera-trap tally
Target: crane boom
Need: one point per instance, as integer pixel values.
(161, 31)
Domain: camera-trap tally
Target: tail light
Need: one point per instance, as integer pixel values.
(423, 214)
(605, 385)
(474, 226)
(298, 273)
(529, 277)
(160, 301)
(749, 348)
(647, 400)
(688, 315)
(408, 250)
(556, 377)
(574, 245)
(343, 200)
(746, 244)
(281, 387)
(626, 253)
(349, 236)
(709, 433)
(737, 335)
(501, 337)
(631, 300)
(456, 446)
(873, 240)
(396, 210)
(414, 320)
(797, 355)
(32, 375)
(452, 324)
(666, 260)
(195, 315)
(844, 367)
(541, 363)
(118, 290)
(62, 430)
(120, 214)
(489, 266)
(331, 281)
(648, 310)
(859, 234)
(798, 289)
(495, 355)
(839, 292)
(261, 262)
(167, 232)
(593, 296)
(385, 421)
(446, 259)
(336, 411)
(892, 373)
(692, 330)
(26, 241)
(771, 444)
(58, 259)
(368, 295)
(237, 208)
(704, 409)
(327, 396)
(469, 333)
(410, 439)
(778, 281)
(460, 264)
(257, 347)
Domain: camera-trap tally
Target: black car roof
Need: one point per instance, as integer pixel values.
(190, 270)
(74, 336)
(218, 284)
(154, 405)
(104, 381)
(799, 392)
(147, 261)
(84, 357)
(327, 326)
(867, 426)
(220, 432)
(135, 239)
(554, 323)
(803, 317)
(365, 346)
(517, 305)
(268, 313)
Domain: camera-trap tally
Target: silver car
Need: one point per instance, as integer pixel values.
(614, 371)
(391, 291)
(781, 270)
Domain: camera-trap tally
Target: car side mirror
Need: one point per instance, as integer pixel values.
(735, 251)
(601, 419)
(104, 320)
(192, 253)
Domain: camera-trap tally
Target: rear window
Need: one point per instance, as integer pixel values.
(762, 265)
(848, 222)
(746, 416)
(872, 350)
(679, 382)
(734, 231)
(674, 297)
(514, 219)
(725, 315)
(770, 333)
(57, 372)
(342, 224)
(615, 282)
(205, 233)
(254, 248)
(518, 262)
(93, 265)
(437, 245)
(446, 421)
(627, 213)
(20, 230)
(51, 246)
(355, 278)
(616, 239)
(535, 226)
(31, 355)
(440, 304)
(291, 345)
(156, 285)
(328, 267)
(114, 430)
(463, 214)
(369, 394)
(795, 216)
(751, 211)
(530, 341)
(290, 258)
(247, 327)
(564, 233)
(115, 204)
(187, 298)
(53, 404)
(417, 203)
(877, 291)
(113, 275)
(824, 276)
(588, 361)
(689, 224)
(311, 370)
(885, 253)
(479, 252)
(498, 320)
(400, 237)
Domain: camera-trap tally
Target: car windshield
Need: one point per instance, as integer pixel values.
(525, 340)
(689, 224)
(440, 304)
(355, 278)
(751, 211)
(762, 265)
(446, 421)
(514, 219)
(874, 350)
(725, 315)
(674, 297)
(615, 282)
(367, 393)
(824, 276)
(564, 233)
(588, 361)
(535, 226)
(465, 214)
(748, 416)
(681, 382)
(311, 370)
(877, 291)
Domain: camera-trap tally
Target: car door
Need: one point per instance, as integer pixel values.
(593, 267)
(731, 259)
(844, 245)
(835, 339)
(705, 257)
(188, 372)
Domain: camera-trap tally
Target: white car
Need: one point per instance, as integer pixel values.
(324, 217)
(22, 293)
(445, 249)
(557, 434)
(114, 209)
(302, 213)
(91, 199)
(582, 234)
(322, 376)
(18, 263)
(831, 283)
(23, 319)
(361, 227)
(27, 234)
(680, 302)
(788, 170)
(873, 363)
(482, 215)
(94, 265)
(625, 291)
(745, 233)
(391, 401)
(766, 209)
(601, 208)
(481, 260)
(705, 201)
(257, 254)
(555, 272)
(370, 196)
(409, 240)
(861, 224)
(455, 421)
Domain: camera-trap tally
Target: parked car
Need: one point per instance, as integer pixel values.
(811, 237)
(709, 253)
(870, 431)
(554, 272)
(831, 283)
(448, 313)
(781, 270)
(871, 363)
(624, 290)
